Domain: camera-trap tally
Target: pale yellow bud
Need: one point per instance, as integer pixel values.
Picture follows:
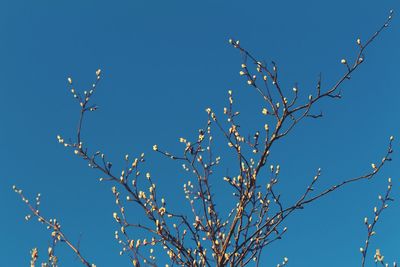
(264, 111)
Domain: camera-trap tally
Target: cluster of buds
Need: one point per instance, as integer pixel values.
(378, 257)
(84, 99)
(284, 262)
(234, 43)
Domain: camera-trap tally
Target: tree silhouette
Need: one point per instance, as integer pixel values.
(205, 236)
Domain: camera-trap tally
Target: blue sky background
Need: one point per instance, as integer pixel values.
(164, 62)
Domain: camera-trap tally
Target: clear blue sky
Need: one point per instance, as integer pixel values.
(164, 62)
